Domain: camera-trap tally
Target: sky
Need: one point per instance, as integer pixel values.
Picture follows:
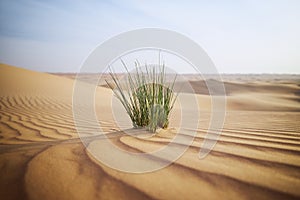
(248, 36)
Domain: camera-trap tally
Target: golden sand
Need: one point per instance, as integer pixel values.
(41, 157)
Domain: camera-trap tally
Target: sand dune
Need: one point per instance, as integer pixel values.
(41, 156)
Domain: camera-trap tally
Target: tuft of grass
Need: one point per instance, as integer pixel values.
(146, 96)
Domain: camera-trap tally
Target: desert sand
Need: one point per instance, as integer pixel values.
(41, 157)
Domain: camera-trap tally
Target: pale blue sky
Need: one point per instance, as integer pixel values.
(249, 36)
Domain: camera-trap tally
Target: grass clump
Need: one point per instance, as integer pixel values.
(146, 95)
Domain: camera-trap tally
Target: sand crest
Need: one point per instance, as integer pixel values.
(41, 157)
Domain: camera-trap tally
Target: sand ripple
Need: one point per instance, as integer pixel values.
(41, 157)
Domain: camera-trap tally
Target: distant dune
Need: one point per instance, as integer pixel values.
(41, 156)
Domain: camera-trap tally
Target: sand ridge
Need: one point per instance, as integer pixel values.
(41, 157)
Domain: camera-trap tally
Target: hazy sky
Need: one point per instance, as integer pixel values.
(240, 36)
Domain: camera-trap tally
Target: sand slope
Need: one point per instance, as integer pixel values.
(41, 157)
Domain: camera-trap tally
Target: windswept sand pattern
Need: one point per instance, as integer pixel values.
(41, 157)
(25, 120)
